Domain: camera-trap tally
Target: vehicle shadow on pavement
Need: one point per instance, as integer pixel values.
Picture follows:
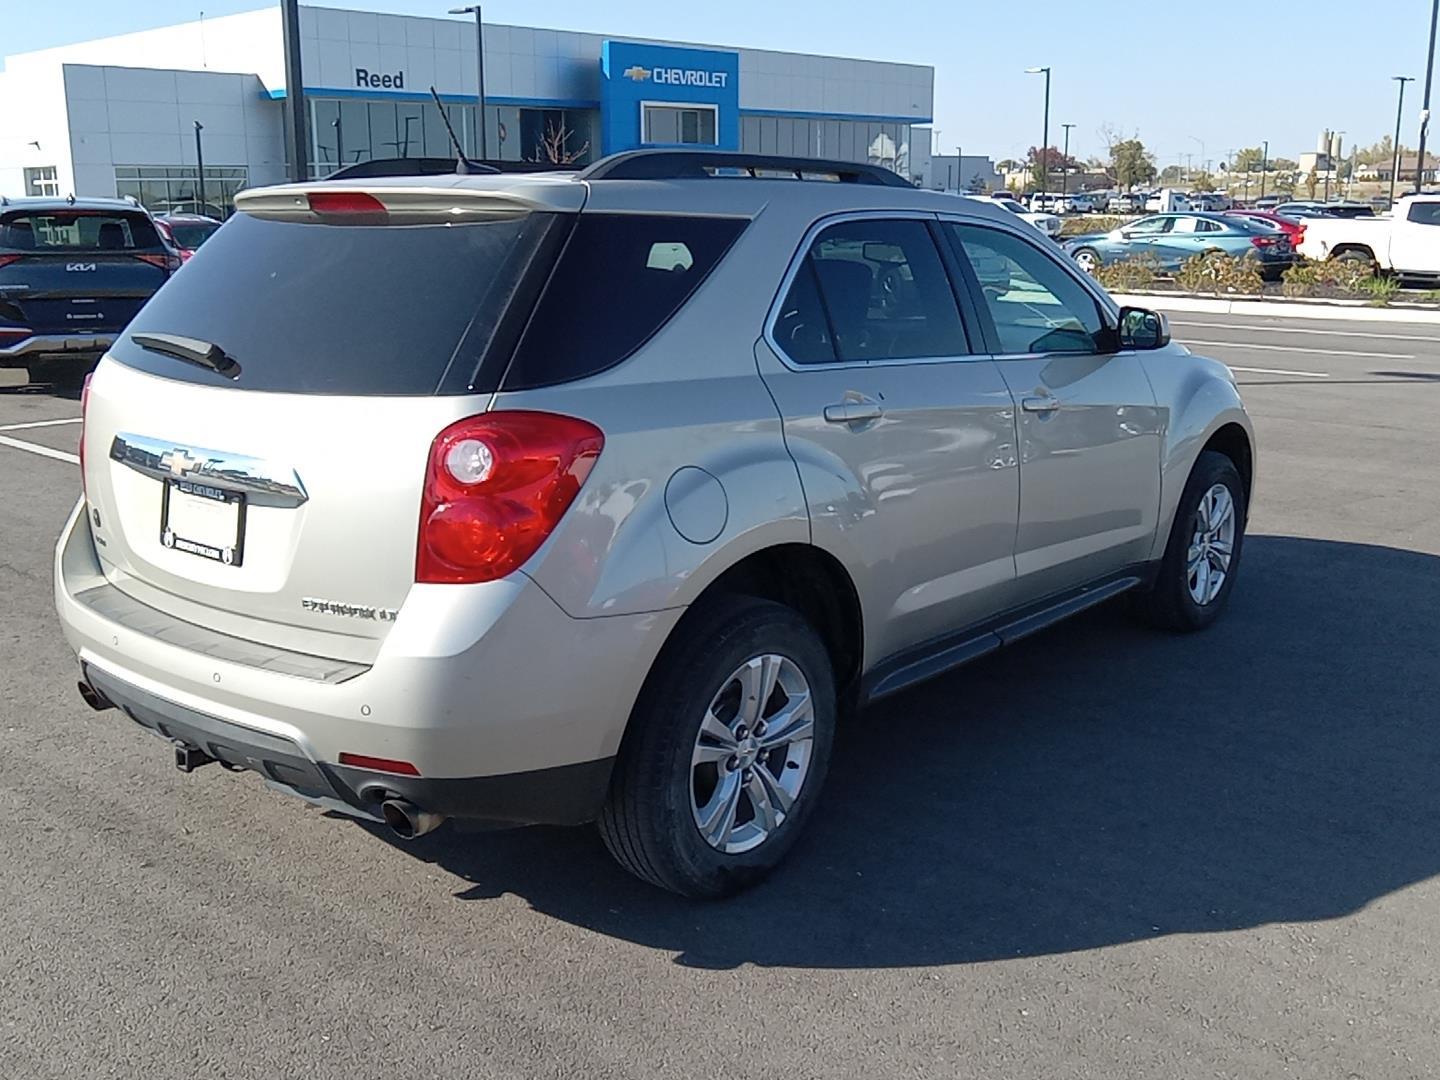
(1094, 785)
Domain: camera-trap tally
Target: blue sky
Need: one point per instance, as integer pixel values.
(1178, 74)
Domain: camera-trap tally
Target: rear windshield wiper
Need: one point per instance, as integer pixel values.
(193, 350)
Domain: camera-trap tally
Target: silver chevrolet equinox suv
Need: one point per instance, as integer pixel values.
(549, 498)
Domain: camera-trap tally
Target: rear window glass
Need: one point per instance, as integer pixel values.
(1424, 213)
(619, 279)
(342, 309)
(77, 230)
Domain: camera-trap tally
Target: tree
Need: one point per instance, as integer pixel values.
(1281, 164)
(1171, 174)
(1053, 161)
(1312, 182)
(1285, 185)
(1203, 182)
(552, 146)
(1130, 163)
(1382, 153)
(1248, 160)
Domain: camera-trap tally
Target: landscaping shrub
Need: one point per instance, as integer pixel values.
(1217, 273)
(1128, 275)
(1085, 224)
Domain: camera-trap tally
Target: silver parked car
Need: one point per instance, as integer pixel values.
(555, 498)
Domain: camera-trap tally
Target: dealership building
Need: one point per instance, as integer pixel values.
(125, 115)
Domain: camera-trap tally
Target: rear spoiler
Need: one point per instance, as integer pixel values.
(342, 203)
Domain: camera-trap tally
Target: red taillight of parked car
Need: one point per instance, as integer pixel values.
(495, 488)
(6, 260)
(1264, 241)
(167, 261)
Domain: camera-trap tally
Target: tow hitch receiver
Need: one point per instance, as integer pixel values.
(189, 758)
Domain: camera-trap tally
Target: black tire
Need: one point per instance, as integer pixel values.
(1168, 603)
(1358, 256)
(66, 374)
(648, 821)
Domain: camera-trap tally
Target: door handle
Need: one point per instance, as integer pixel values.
(853, 412)
(1040, 404)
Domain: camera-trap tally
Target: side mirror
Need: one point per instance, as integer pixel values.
(1143, 329)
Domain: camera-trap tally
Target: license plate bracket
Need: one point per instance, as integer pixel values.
(203, 520)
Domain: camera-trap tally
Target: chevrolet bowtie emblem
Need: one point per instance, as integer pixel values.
(178, 462)
(638, 73)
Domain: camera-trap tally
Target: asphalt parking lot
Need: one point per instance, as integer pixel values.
(1103, 853)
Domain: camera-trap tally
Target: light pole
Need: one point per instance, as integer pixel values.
(295, 91)
(200, 167)
(1065, 162)
(479, 73)
(1264, 166)
(959, 170)
(1045, 138)
(1399, 112)
(1196, 139)
(1425, 105)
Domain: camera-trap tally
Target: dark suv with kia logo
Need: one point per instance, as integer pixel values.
(73, 273)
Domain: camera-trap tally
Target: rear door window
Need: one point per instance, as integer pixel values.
(618, 281)
(885, 293)
(344, 309)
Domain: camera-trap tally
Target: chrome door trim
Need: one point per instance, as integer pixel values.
(798, 259)
(162, 459)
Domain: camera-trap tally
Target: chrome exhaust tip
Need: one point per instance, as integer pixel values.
(92, 697)
(408, 821)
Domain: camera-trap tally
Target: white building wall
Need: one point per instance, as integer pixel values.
(130, 116)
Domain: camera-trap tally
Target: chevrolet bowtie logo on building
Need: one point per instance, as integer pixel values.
(637, 73)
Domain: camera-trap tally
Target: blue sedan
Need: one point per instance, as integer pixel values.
(1170, 239)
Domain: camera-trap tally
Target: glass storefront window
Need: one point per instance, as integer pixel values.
(877, 143)
(169, 189)
(346, 131)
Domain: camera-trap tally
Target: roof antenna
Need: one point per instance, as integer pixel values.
(463, 165)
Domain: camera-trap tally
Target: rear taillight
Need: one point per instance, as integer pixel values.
(1264, 241)
(6, 260)
(168, 261)
(84, 408)
(495, 488)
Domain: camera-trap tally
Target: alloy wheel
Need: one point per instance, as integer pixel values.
(752, 754)
(1212, 545)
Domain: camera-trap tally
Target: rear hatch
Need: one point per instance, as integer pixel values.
(76, 271)
(256, 445)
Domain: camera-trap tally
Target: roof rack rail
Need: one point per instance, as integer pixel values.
(435, 166)
(665, 164)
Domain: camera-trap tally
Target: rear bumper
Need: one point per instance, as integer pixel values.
(509, 709)
(563, 795)
(38, 346)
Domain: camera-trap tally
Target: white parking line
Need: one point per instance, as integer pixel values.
(1280, 371)
(43, 451)
(1297, 348)
(1433, 338)
(40, 423)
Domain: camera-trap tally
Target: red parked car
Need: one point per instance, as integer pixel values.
(1292, 228)
(186, 232)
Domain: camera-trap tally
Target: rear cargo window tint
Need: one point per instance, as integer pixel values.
(342, 309)
(619, 279)
(77, 230)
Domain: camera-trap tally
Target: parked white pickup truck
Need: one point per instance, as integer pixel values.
(1405, 242)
